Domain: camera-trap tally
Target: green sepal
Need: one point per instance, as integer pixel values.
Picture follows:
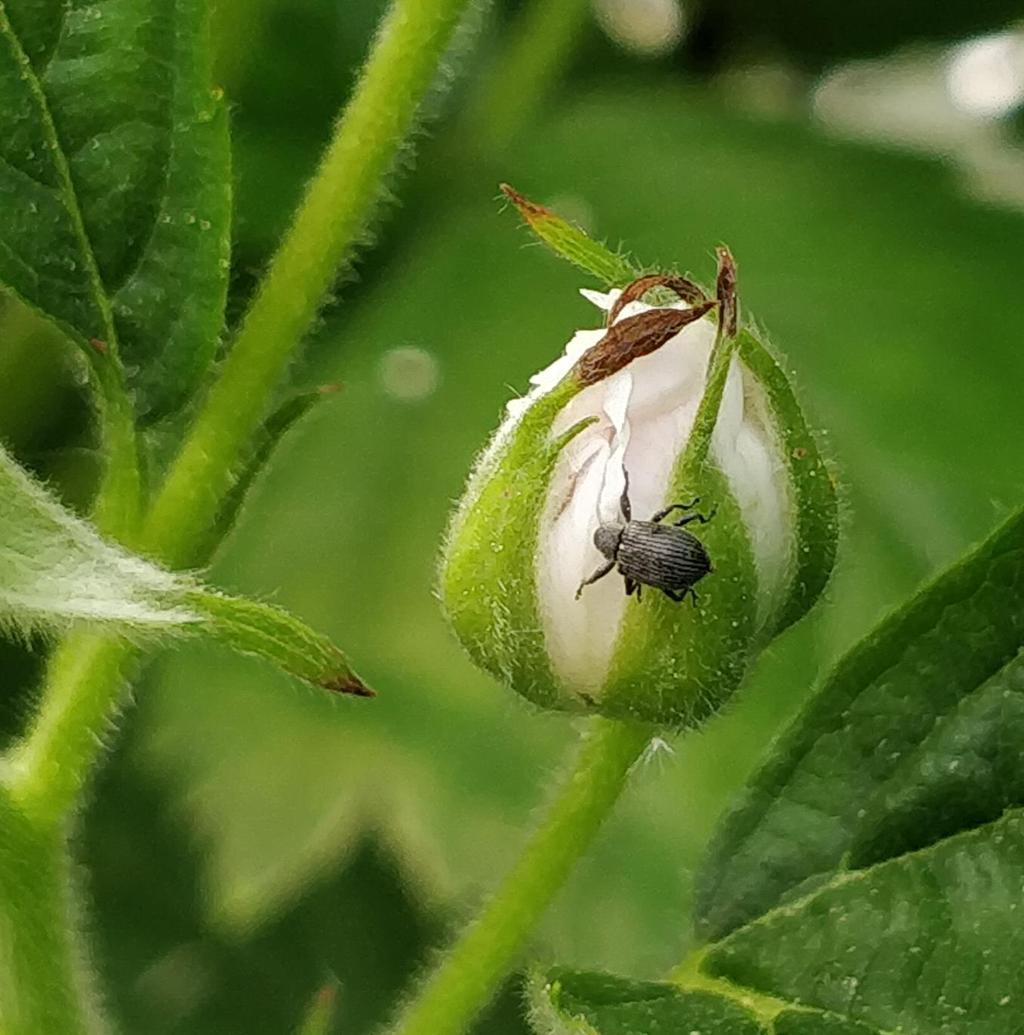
(814, 502)
(675, 664)
(672, 665)
(488, 582)
(571, 243)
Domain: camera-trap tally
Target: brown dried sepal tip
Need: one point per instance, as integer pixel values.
(634, 337)
(529, 210)
(348, 684)
(681, 286)
(725, 292)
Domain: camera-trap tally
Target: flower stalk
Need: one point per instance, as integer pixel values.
(487, 950)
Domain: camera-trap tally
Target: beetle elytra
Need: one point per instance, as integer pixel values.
(649, 553)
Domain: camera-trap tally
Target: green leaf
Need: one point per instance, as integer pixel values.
(114, 168)
(929, 941)
(55, 570)
(864, 771)
(567, 1002)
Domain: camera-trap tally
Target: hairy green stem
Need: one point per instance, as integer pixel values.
(486, 952)
(84, 682)
(524, 72)
(41, 988)
(328, 225)
(117, 508)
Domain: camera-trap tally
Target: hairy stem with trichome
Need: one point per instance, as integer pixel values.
(487, 951)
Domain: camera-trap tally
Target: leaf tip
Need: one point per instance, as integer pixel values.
(529, 210)
(347, 683)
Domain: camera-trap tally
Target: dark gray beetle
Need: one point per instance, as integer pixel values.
(649, 553)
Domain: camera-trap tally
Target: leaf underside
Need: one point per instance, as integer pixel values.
(114, 174)
(56, 570)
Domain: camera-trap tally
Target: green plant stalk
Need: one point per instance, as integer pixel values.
(118, 504)
(41, 991)
(83, 687)
(327, 227)
(486, 952)
(543, 41)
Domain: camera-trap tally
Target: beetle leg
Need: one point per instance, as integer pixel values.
(624, 504)
(702, 518)
(680, 595)
(675, 506)
(599, 574)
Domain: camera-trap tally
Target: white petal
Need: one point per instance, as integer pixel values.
(601, 299)
(544, 380)
(645, 415)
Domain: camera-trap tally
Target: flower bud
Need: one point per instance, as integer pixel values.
(672, 397)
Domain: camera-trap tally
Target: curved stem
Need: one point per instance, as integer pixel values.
(85, 680)
(40, 984)
(482, 957)
(327, 227)
(118, 503)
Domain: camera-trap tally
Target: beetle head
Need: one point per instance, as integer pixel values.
(606, 538)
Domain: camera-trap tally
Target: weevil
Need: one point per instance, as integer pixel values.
(649, 553)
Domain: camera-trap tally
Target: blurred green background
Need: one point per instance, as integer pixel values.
(251, 841)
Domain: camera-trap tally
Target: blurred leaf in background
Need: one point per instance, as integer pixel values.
(357, 927)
